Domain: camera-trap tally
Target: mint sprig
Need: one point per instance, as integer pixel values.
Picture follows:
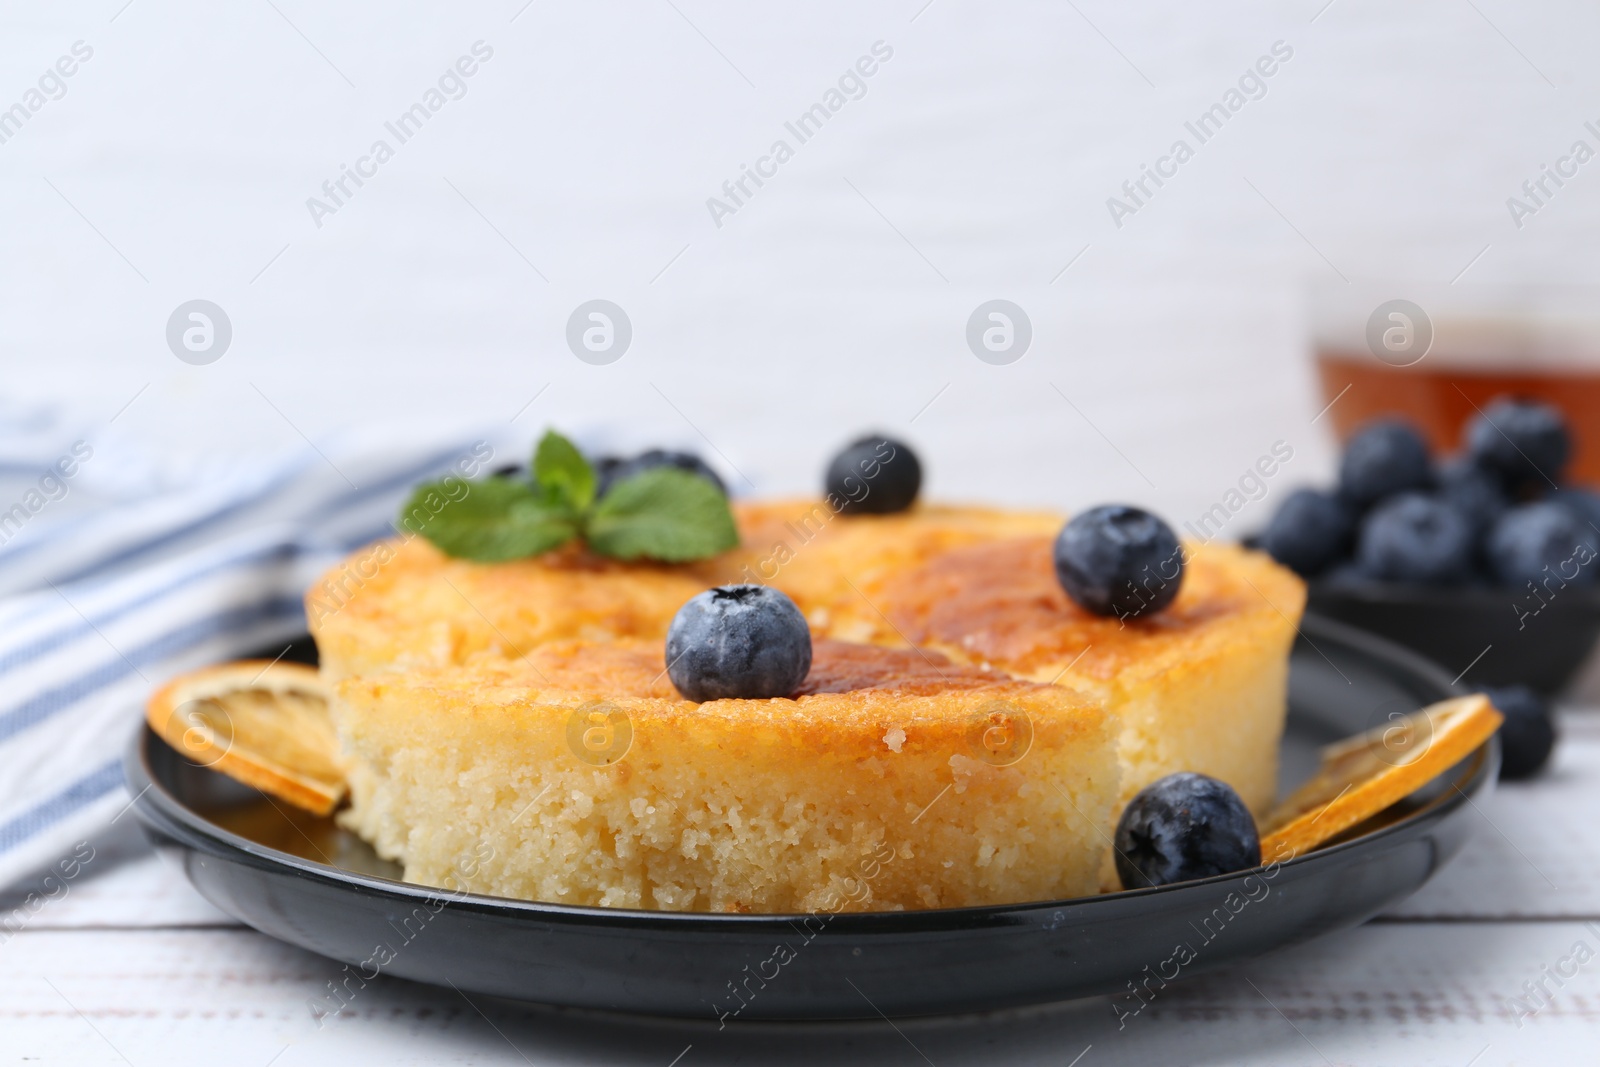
(560, 469)
(661, 513)
(496, 519)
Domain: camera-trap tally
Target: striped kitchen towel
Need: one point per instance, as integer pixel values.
(102, 599)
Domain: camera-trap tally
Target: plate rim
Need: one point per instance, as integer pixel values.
(162, 812)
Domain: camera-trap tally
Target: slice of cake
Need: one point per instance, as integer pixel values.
(894, 779)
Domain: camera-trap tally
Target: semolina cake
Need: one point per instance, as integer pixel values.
(893, 779)
(1201, 686)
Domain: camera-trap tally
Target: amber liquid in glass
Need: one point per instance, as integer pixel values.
(1439, 399)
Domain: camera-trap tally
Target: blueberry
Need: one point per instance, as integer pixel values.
(1119, 560)
(1182, 827)
(1523, 441)
(1416, 538)
(1310, 531)
(605, 472)
(737, 641)
(1542, 540)
(1383, 458)
(1584, 503)
(1527, 736)
(873, 475)
(610, 469)
(1478, 493)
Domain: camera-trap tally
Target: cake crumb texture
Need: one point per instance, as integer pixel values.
(468, 777)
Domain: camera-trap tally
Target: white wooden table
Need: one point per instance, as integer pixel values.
(132, 966)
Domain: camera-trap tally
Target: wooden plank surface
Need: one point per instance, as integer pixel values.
(1536, 851)
(1415, 992)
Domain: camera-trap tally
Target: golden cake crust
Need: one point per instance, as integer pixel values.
(401, 603)
(1000, 603)
(835, 567)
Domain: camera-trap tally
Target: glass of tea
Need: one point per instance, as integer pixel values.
(1437, 354)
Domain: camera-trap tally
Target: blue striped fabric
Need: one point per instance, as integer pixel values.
(97, 783)
(70, 693)
(103, 602)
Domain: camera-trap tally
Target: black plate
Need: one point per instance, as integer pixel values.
(249, 858)
(1495, 636)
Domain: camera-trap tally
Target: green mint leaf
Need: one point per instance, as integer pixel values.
(489, 521)
(560, 468)
(663, 514)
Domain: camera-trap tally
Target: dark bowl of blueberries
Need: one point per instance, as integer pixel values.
(1485, 561)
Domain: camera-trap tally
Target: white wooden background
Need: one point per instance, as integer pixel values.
(1168, 355)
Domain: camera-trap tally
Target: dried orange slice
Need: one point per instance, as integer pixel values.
(264, 724)
(1363, 775)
